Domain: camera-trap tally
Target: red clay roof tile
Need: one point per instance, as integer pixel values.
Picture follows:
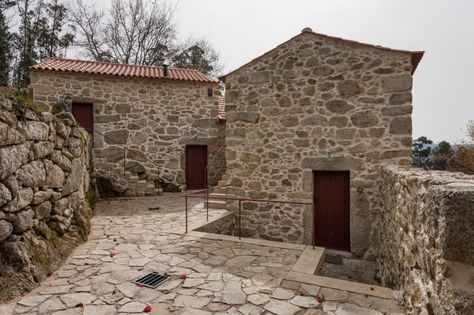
(124, 70)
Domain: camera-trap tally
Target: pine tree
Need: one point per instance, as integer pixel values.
(5, 52)
(422, 152)
(5, 46)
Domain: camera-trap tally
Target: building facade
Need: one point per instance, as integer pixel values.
(312, 120)
(149, 128)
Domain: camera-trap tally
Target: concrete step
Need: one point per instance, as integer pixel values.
(216, 204)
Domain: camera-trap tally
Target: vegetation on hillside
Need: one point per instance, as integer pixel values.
(444, 156)
(131, 31)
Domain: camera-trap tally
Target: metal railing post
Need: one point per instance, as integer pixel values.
(240, 218)
(207, 204)
(313, 226)
(124, 160)
(186, 211)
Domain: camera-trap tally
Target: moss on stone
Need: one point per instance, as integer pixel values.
(56, 109)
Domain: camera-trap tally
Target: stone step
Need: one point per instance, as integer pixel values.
(216, 204)
(217, 194)
(222, 183)
(220, 190)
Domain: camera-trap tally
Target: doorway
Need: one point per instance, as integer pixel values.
(83, 113)
(196, 166)
(331, 215)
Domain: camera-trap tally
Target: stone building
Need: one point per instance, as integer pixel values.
(151, 125)
(312, 120)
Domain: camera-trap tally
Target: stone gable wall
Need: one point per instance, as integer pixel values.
(424, 239)
(309, 97)
(156, 119)
(44, 199)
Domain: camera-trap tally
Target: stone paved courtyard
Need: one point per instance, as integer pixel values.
(222, 277)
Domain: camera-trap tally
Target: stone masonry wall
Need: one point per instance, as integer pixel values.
(156, 119)
(310, 97)
(44, 205)
(424, 239)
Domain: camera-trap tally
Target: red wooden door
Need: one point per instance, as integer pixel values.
(196, 163)
(83, 114)
(331, 209)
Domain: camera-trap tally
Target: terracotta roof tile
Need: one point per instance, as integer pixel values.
(221, 108)
(124, 70)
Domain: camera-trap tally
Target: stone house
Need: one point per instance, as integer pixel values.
(312, 120)
(160, 124)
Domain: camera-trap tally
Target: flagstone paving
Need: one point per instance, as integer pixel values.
(206, 276)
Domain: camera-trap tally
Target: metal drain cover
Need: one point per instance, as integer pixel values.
(152, 280)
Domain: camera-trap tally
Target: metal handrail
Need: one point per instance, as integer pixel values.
(195, 194)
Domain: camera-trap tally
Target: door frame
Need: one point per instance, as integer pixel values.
(76, 104)
(347, 206)
(206, 171)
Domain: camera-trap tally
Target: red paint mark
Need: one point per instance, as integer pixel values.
(183, 276)
(147, 309)
(320, 299)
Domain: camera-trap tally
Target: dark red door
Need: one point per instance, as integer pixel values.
(83, 114)
(331, 209)
(196, 162)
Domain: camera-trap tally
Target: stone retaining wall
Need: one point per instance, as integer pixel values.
(315, 103)
(424, 239)
(44, 189)
(156, 119)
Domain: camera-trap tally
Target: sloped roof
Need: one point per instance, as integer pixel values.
(415, 55)
(123, 70)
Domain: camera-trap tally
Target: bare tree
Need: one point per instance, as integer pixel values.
(133, 31)
(198, 54)
(470, 130)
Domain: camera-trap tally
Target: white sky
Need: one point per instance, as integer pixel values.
(443, 83)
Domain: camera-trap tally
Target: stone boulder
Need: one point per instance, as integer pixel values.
(349, 88)
(397, 83)
(23, 221)
(117, 136)
(250, 117)
(34, 130)
(5, 194)
(32, 174)
(338, 106)
(365, 119)
(25, 196)
(12, 157)
(260, 77)
(6, 229)
(54, 175)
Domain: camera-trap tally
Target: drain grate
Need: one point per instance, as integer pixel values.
(152, 280)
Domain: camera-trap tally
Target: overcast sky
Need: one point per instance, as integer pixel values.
(443, 83)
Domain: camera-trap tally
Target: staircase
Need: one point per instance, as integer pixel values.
(218, 191)
(125, 183)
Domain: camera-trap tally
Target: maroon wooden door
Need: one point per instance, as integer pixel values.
(196, 163)
(83, 114)
(331, 209)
